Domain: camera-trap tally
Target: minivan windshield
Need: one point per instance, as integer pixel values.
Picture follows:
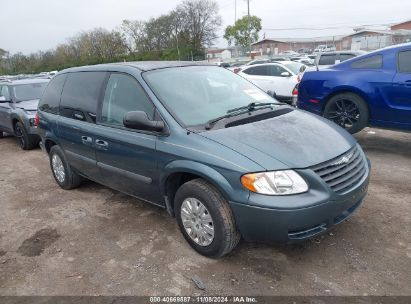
(198, 94)
(29, 91)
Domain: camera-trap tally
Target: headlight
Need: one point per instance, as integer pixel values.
(275, 182)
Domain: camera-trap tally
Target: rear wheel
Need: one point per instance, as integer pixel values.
(25, 141)
(205, 219)
(65, 177)
(348, 110)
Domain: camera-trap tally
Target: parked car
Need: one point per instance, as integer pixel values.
(237, 66)
(289, 53)
(18, 106)
(306, 61)
(282, 78)
(322, 48)
(258, 61)
(372, 89)
(305, 51)
(325, 60)
(278, 59)
(218, 153)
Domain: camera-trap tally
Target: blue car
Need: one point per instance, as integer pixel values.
(372, 89)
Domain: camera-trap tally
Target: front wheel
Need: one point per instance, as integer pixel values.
(348, 110)
(25, 141)
(205, 219)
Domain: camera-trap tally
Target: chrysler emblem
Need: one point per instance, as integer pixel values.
(343, 160)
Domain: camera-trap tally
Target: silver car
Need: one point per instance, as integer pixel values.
(18, 107)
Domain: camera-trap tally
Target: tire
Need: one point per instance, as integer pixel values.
(25, 141)
(348, 110)
(71, 179)
(226, 235)
(1, 134)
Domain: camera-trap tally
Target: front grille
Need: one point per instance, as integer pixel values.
(343, 172)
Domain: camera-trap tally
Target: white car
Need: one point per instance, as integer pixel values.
(280, 78)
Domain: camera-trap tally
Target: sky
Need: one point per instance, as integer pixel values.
(33, 25)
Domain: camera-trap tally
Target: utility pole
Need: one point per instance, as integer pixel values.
(249, 32)
(235, 21)
(235, 11)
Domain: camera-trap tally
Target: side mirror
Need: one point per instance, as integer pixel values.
(139, 120)
(285, 74)
(272, 94)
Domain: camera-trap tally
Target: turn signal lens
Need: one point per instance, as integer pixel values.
(248, 181)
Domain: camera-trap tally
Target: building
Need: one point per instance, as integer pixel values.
(275, 46)
(362, 39)
(369, 40)
(402, 26)
(218, 54)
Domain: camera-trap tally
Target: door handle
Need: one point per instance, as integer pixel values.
(101, 144)
(86, 140)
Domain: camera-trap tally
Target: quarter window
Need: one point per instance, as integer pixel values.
(327, 59)
(50, 100)
(275, 70)
(80, 95)
(404, 62)
(374, 62)
(124, 94)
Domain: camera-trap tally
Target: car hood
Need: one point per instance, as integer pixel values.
(294, 140)
(29, 105)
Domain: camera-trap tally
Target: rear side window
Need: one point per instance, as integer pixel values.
(50, 100)
(258, 70)
(374, 62)
(327, 59)
(81, 94)
(404, 62)
(124, 94)
(275, 70)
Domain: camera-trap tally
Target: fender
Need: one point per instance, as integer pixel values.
(204, 171)
(50, 136)
(14, 115)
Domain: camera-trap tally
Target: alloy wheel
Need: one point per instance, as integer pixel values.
(20, 136)
(344, 113)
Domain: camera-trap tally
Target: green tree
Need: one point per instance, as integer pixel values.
(243, 32)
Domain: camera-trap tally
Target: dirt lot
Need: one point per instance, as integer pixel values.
(96, 241)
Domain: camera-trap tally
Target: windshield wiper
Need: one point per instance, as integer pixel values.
(211, 122)
(240, 110)
(254, 105)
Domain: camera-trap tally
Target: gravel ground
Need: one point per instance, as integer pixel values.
(96, 241)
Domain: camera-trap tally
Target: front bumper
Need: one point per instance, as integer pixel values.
(269, 225)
